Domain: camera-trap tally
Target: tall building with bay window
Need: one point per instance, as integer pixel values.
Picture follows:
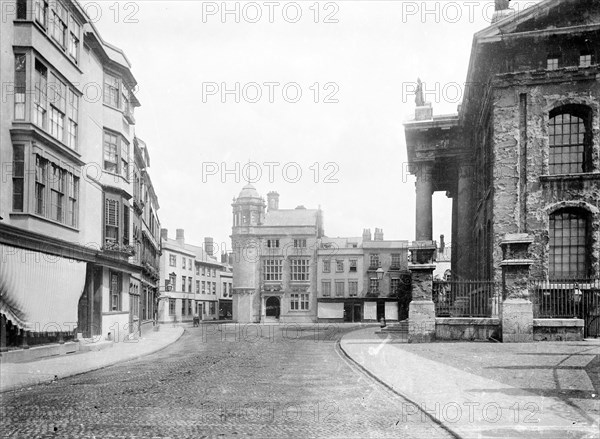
(274, 259)
(78, 224)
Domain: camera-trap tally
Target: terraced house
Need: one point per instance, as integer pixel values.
(79, 227)
(194, 281)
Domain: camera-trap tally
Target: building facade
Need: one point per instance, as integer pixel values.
(192, 280)
(67, 146)
(364, 279)
(522, 155)
(274, 260)
(226, 292)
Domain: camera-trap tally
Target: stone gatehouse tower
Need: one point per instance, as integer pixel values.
(274, 259)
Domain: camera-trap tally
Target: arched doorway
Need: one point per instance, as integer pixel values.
(273, 307)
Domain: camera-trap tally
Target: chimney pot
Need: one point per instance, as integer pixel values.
(272, 201)
(164, 234)
(209, 247)
(180, 236)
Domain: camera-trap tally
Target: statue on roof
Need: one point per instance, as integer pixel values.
(501, 5)
(419, 100)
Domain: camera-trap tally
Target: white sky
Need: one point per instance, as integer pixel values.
(372, 55)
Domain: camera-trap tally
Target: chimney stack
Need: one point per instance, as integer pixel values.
(378, 235)
(442, 244)
(180, 236)
(164, 234)
(366, 235)
(272, 201)
(208, 246)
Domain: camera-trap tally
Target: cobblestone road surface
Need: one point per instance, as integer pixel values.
(220, 381)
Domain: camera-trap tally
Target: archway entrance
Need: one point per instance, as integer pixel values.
(273, 307)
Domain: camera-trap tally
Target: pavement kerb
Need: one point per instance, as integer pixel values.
(67, 374)
(362, 346)
(394, 391)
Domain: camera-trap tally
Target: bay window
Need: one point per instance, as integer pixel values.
(111, 90)
(41, 12)
(18, 177)
(41, 167)
(116, 154)
(20, 86)
(74, 36)
(60, 18)
(40, 100)
(300, 269)
(57, 193)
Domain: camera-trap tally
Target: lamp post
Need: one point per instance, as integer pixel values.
(379, 273)
(577, 296)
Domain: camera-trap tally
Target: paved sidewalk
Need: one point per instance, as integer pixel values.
(486, 404)
(16, 375)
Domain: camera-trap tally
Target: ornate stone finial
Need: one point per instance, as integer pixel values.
(419, 100)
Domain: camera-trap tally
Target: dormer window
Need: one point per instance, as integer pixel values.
(552, 62)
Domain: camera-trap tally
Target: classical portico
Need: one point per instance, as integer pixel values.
(439, 163)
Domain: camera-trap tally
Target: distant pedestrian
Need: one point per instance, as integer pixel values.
(196, 319)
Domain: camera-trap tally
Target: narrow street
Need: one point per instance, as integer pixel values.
(220, 380)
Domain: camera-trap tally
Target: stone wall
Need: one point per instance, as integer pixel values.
(467, 329)
(558, 329)
(524, 194)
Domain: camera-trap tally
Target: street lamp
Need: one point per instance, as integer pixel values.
(379, 273)
(577, 294)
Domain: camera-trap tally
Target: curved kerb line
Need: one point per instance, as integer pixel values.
(364, 370)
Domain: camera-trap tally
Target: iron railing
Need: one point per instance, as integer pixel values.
(466, 298)
(573, 298)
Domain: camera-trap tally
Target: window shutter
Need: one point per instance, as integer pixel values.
(125, 225)
(111, 213)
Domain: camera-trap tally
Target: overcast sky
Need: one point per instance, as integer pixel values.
(349, 145)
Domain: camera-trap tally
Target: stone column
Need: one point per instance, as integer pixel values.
(421, 310)
(464, 219)
(424, 186)
(516, 313)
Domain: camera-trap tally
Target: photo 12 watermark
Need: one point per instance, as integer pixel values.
(270, 12)
(270, 92)
(254, 172)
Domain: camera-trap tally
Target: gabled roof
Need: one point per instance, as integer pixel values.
(291, 217)
(514, 23)
(538, 16)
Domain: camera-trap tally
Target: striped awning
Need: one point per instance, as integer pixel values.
(38, 291)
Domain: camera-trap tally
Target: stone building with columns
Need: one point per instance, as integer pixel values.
(522, 154)
(521, 158)
(274, 259)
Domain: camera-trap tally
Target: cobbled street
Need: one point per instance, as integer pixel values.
(220, 381)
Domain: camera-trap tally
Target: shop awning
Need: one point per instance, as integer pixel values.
(38, 291)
